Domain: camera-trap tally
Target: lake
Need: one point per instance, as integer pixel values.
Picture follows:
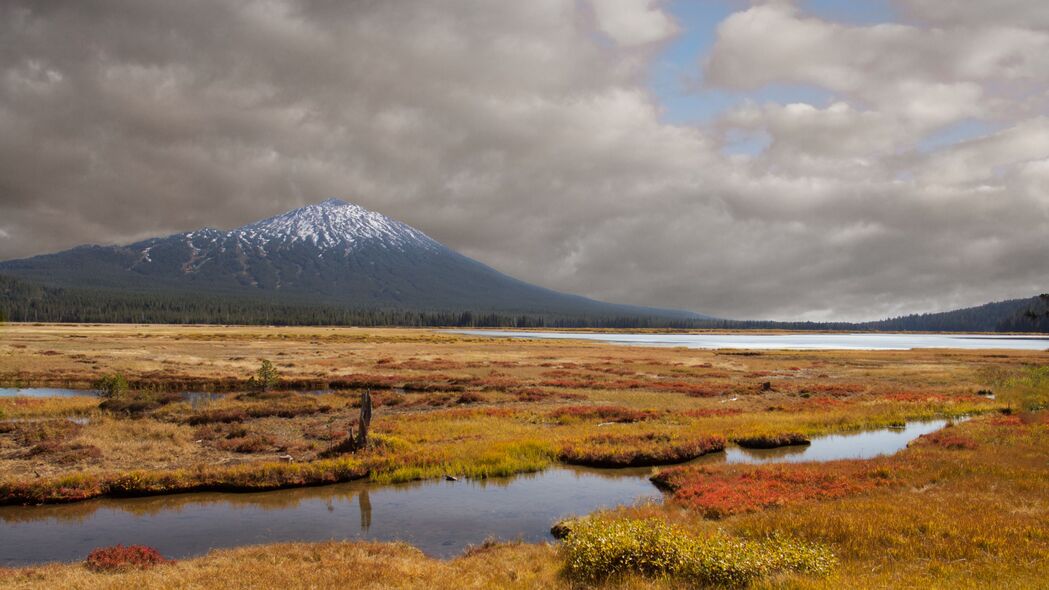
(792, 341)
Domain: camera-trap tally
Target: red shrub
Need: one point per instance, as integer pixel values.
(530, 394)
(949, 440)
(915, 396)
(65, 453)
(821, 402)
(278, 410)
(573, 383)
(247, 443)
(713, 412)
(719, 492)
(437, 364)
(365, 381)
(433, 400)
(35, 432)
(1007, 421)
(119, 557)
(835, 389)
(462, 413)
(556, 373)
(601, 413)
(631, 384)
(639, 450)
(470, 397)
(491, 383)
(706, 391)
(772, 441)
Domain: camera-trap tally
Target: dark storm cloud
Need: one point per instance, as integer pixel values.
(522, 134)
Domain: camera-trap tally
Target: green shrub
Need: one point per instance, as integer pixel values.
(112, 386)
(265, 378)
(1026, 390)
(599, 549)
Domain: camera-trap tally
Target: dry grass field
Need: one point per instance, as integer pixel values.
(966, 507)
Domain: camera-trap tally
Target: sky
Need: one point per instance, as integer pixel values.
(774, 159)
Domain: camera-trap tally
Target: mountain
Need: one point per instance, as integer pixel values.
(334, 254)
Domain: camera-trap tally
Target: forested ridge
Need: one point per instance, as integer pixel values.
(24, 301)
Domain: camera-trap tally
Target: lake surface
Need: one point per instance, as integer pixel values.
(440, 517)
(814, 341)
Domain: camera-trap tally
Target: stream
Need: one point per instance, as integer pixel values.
(439, 517)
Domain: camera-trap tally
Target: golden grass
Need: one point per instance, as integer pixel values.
(969, 515)
(24, 407)
(318, 565)
(574, 388)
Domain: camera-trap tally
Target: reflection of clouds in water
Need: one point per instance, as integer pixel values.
(858, 445)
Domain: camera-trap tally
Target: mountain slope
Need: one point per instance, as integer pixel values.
(990, 317)
(333, 253)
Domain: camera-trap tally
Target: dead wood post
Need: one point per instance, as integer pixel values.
(365, 420)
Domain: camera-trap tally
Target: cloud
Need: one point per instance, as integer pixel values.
(1018, 13)
(633, 22)
(523, 134)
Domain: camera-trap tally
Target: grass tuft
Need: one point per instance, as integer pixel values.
(640, 450)
(597, 550)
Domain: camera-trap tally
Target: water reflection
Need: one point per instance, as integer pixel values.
(859, 445)
(758, 455)
(439, 517)
(364, 503)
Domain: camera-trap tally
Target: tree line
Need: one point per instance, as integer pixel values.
(24, 301)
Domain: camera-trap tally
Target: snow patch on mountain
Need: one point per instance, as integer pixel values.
(335, 225)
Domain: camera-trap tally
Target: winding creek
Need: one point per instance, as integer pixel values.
(440, 517)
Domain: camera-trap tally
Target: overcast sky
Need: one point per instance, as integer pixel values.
(815, 159)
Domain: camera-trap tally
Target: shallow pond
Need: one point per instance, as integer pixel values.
(814, 341)
(193, 397)
(45, 392)
(440, 517)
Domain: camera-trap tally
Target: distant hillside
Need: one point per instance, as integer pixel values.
(333, 255)
(1032, 318)
(25, 301)
(1004, 316)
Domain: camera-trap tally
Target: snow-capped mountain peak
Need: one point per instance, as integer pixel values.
(333, 255)
(333, 224)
